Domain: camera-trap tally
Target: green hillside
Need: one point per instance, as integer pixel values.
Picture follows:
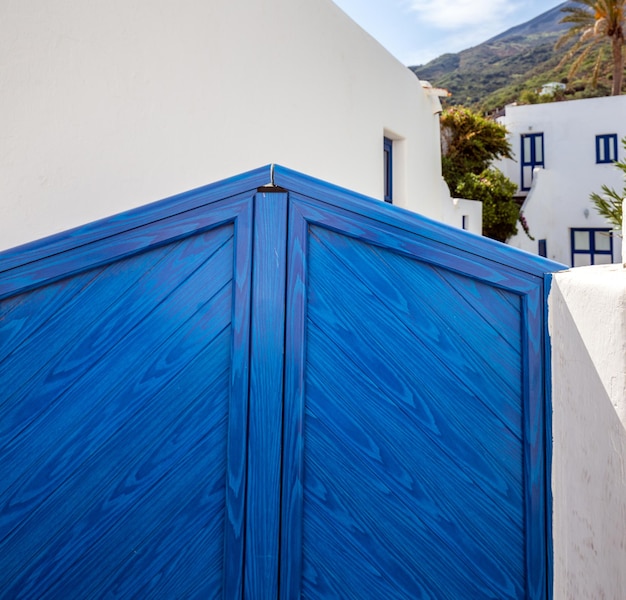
(512, 67)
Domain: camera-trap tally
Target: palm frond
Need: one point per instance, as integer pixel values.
(577, 15)
(609, 203)
(566, 37)
(596, 68)
(594, 24)
(579, 60)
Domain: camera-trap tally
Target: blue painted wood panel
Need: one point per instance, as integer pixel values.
(445, 471)
(258, 391)
(414, 393)
(266, 395)
(123, 412)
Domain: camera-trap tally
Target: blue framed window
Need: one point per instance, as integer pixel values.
(388, 154)
(532, 157)
(606, 148)
(542, 249)
(591, 247)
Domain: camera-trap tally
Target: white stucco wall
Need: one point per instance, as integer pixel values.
(559, 197)
(110, 105)
(460, 212)
(464, 214)
(587, 321)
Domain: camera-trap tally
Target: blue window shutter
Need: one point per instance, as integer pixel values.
(606, 148)
(532, 154)
(388, 165)
(592, 245)
(542, 250)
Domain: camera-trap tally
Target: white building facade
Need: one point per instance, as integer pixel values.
(112, 105)
(563, 152)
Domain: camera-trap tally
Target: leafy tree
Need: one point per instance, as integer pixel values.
(469, 143)
(495, 191)
(596, 23)
(609, 204)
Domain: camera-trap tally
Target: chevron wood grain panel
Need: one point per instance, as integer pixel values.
(412, 394)
(424, 312)
(115, 424)
(17, 321)
(92, 326)
(444, 473)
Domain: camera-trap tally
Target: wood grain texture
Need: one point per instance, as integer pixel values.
(237, 442)
(407, 463)
(304, 393)
(536, 459)
(393, 493)
(290, 582)
(266, 395)
(93, 325)
(17, 313)
(67, 365)
(114, 412)
(430, 305)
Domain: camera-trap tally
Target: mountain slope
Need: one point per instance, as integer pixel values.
(505, 67)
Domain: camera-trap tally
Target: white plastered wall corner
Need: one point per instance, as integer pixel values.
(587, 320)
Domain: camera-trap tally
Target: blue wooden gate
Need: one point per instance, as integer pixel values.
(274, 391)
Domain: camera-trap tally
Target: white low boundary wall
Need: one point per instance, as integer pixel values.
(587, 323)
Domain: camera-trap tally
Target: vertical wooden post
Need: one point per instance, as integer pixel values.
(266, 394)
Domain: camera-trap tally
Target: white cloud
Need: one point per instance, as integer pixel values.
(460, 14)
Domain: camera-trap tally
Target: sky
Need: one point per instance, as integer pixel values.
(416, 31)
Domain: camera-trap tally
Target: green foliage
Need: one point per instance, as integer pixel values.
(495, 191)
(595, 25)
(469, 143)
(609, 204)
(530, 97)
(534, 97)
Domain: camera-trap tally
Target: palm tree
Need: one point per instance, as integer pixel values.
(596, 22)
